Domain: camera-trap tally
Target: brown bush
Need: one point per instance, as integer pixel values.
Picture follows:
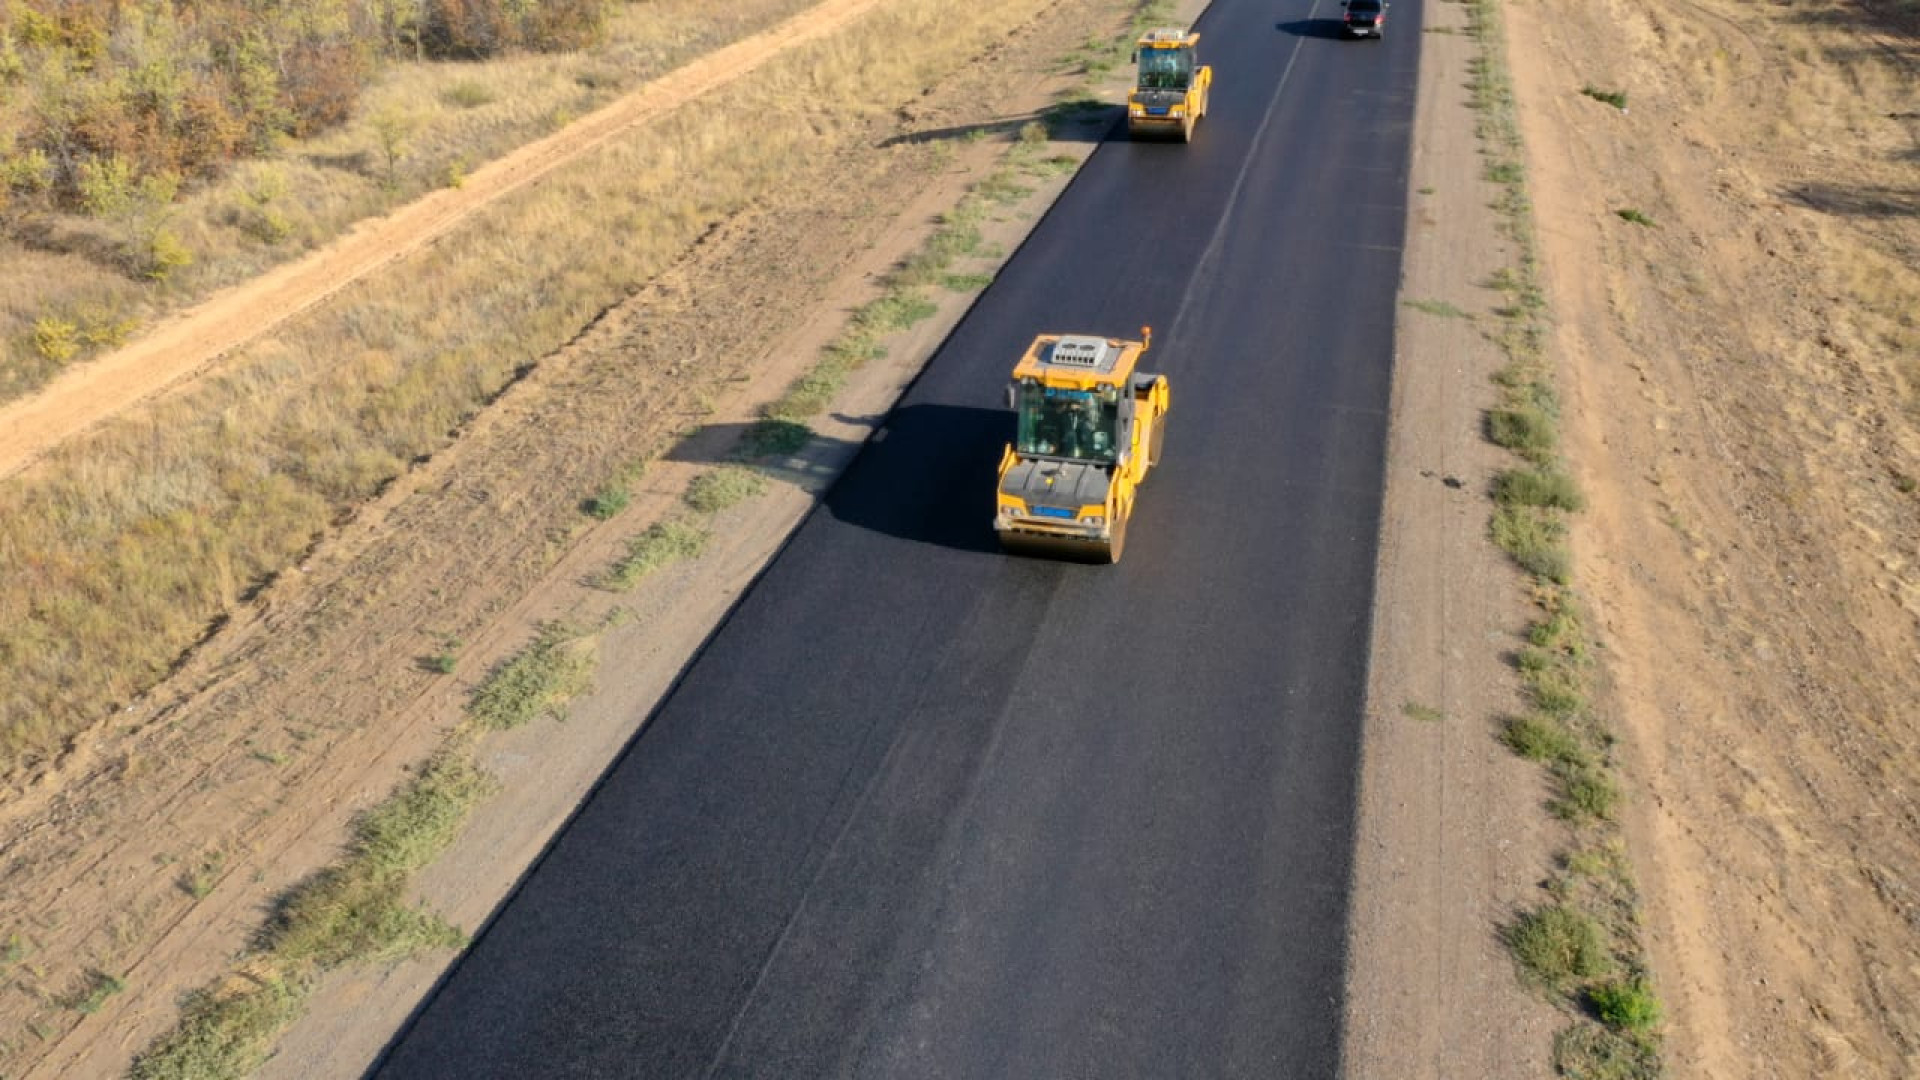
(559, 25)
(322, 82)
(181, 87)
(466, 29)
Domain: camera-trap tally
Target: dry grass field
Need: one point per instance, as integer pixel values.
(421, 126)
(136, 540)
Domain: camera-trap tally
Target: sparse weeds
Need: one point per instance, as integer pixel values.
(1615, 98)
(224, 1032)
(445, 661)
(663, 544)
(1524, 428)
(538, 681)
(966, 283)
(1583, 946)
(355, 911)
(1591, 1052)
(1535, 539)
(607, 503)
(1440, 308)
(1426, 714)
(1587, 793)
(93, 992)
(1544, 739)
(199, 879)
(721, 488)
(1538, 487)
(1558, 947)
(1635, 216)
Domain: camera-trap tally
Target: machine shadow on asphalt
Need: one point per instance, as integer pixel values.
(927, 475)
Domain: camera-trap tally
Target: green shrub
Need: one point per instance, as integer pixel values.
(1542, 738)
(718, 489)
(662, 544)
(1538, 487)
(1615, 98)
(1558, 945)
(1534, 539)
(607, 502)
(1588, 793)
(536, 682)
(55, 339)
(1627, 1004)
(1524, 429)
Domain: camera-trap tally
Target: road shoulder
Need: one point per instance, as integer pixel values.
(1451, 837)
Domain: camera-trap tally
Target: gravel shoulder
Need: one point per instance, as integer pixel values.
(1453, 834)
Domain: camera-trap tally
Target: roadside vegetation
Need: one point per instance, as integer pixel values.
(354, 911)
(1581, 944)
(151, 151)
(904, 299)
(357, 911)
(131, 544)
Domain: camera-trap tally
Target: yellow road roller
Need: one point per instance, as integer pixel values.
(1089, 426)
(1170, 95)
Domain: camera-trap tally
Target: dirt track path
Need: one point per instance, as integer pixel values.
(188, 344)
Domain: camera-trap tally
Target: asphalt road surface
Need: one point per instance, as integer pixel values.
(920, 809)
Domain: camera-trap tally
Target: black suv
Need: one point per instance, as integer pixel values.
(1366, 17)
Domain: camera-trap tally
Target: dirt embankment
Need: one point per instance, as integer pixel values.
(1733, 260)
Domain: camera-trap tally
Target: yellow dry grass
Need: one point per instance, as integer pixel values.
(132, 542)
(455, 117)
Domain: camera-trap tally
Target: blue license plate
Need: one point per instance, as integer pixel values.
(1052, 512)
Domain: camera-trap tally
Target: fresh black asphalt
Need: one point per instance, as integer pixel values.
(920, 809)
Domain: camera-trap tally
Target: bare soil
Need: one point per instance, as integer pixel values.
(1743, 410)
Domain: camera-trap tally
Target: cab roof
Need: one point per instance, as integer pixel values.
(1081, 361)
(1168, 38)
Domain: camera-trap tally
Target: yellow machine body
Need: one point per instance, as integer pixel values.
(1089, 426)
(1171, 91)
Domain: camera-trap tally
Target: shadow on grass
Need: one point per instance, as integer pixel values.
(1081, 123)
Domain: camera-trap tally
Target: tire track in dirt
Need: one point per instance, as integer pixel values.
(187, 345)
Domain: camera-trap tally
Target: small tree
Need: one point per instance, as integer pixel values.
(139, 210)
(393, 127)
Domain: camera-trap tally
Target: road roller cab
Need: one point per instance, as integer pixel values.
(1088, 426)
(1171, 93)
